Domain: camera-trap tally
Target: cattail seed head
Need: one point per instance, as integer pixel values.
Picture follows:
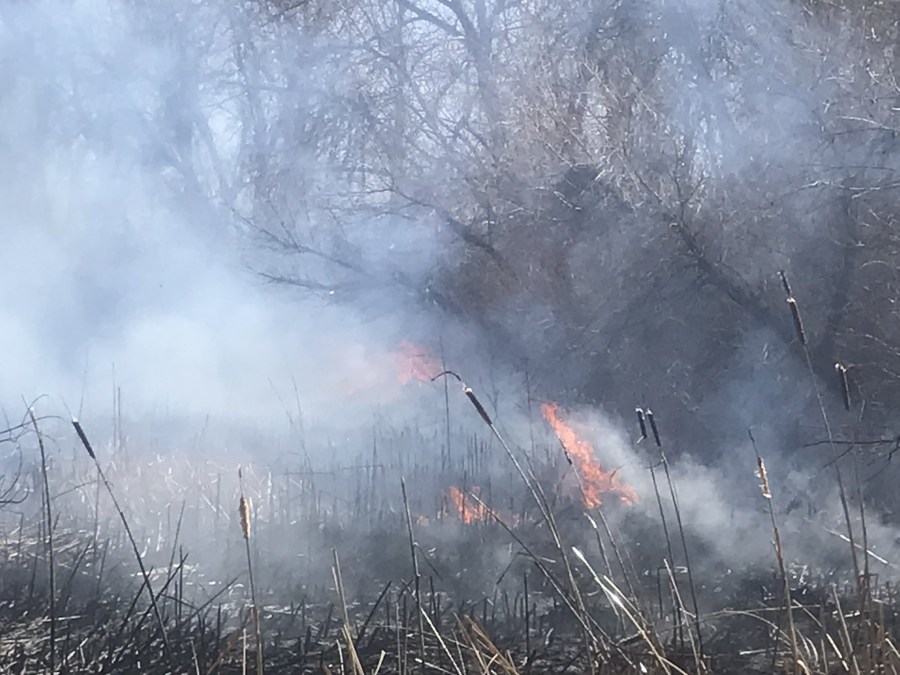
(785, 284)
(84, 439)
(244, 508)
(652, 420)
(641, 422)
(763, 478)
(845, 386)
(480, 408)
(798, 323)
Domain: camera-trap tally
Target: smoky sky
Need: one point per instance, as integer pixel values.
(125, 260)
(118, 269)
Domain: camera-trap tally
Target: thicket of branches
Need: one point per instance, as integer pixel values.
(608, 189)
(614, 185)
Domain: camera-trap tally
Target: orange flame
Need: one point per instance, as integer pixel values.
(469, 511)
(415, 363)
(594, 479)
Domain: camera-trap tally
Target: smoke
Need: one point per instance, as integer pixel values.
(139, 172)
(125, 267)
(722, 509)
(140, 196)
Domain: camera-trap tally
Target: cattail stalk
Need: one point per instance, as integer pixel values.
(134, 547)
(417, 576)
(51, 566)
(540, 499)
(766, 491)
(795, 312)
(684, 547)
(244, 510)
(345, 629)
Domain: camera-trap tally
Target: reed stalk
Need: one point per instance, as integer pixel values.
(137, 554)
(51, 568)
(766, 491)
(244, 511)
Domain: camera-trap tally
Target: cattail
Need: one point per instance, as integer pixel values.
(245, 516)
(652, 420)
(84, 439)
(798, 323)
(480, 408)
(134, 547)
(785, 284)
(641, 422)
(845, 386)
(763, 478)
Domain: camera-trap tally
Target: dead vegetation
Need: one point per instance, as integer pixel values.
(484, 564)
(374, 570)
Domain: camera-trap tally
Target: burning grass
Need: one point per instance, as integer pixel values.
(384, 562)
(471, 581)
(594, 481)
(469, 510)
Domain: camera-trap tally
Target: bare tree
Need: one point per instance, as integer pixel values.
(612, 185)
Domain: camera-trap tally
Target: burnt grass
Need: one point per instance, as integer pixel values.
(488, 596)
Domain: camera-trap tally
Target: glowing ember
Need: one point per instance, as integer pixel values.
(415, 363)
(469, 511)
(594, 479)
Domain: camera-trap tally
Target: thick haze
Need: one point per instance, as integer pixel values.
(118, 269)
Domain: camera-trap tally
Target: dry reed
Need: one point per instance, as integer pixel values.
(48, 512)
(244, 511)
(766, 491)
(134, 547)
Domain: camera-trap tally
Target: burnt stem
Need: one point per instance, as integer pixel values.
(417, 576)
(684, 546)
(48, 512)
(541, 501)
(134, 547)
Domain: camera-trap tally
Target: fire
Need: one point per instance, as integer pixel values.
(469, 511)
(415, 363)
(594, 479)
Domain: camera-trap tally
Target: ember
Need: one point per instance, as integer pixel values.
(595, 480)
(469, 511)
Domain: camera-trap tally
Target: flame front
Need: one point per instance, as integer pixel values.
(595, 480)
(415, 363)
(469, 511)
